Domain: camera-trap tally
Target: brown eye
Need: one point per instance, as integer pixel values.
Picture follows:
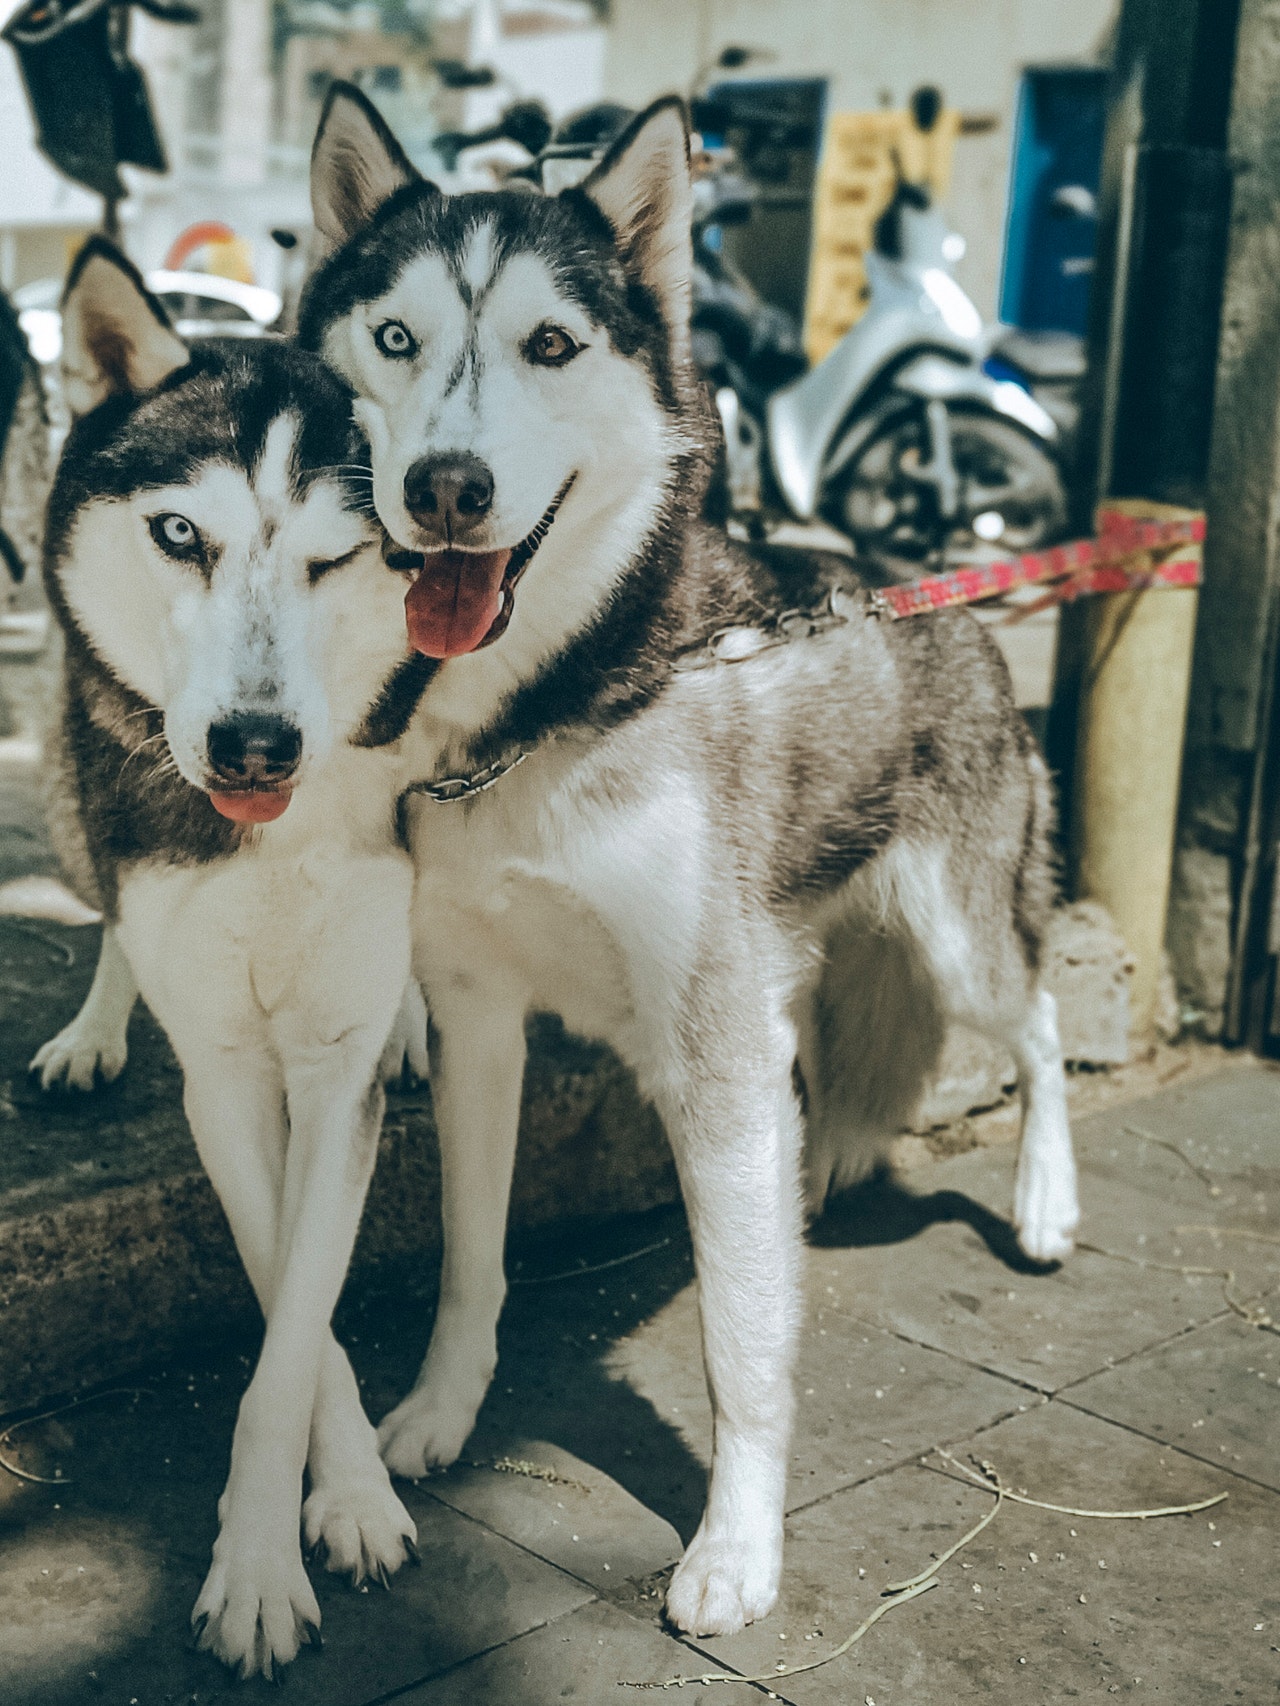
(551, 346)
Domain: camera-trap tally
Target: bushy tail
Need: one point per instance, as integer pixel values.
(870, 1040)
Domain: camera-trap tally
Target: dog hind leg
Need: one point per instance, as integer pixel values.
(986, 976)
(1046, 1208)
(405, 1058)
(871, 1031)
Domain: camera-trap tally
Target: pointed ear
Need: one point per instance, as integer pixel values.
(356, 165)
(115, 335)
(644, 189)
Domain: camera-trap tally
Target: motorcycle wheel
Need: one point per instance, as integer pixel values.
(1011, 494)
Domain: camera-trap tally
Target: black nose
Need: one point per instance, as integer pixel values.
(250, 746)
(452, 491)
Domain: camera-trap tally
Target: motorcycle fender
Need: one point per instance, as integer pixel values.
(805, 416)
(932, 377)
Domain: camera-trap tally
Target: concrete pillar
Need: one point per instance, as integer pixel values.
(1133, 707)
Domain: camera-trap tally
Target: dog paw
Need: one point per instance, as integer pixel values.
(362, 1527)
(255, 1610)
(1046, 1212)
(79, 1056)
(405, 1059)
(425, 1432)
(722, 1585)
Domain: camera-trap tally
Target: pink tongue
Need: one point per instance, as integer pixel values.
(455, 600)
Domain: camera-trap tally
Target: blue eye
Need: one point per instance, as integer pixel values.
(178, 538)
(395, 340)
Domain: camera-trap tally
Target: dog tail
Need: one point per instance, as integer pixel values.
(869, 1042)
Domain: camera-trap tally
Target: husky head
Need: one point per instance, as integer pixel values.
(522, 369)
(209, 543)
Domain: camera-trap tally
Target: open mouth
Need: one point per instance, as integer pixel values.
(461, 601)
(261, 804)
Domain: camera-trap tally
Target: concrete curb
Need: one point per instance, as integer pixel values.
(101, 1271)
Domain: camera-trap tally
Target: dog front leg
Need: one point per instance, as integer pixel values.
(735, 1128)
(256, 1600)
(351, 1514)
(95, 1044)
(477, 1070)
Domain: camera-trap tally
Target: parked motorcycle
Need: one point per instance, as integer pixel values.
(922, 431)
(918, 433)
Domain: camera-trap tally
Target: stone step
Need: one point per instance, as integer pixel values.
(113, 1249)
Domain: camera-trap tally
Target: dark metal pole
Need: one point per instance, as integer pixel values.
(1153, 330)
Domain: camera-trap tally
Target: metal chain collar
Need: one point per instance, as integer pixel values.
(742, 641)
(451, 788)
(727, 645)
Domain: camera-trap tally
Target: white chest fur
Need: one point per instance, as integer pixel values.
(293, 931)
(573, 891)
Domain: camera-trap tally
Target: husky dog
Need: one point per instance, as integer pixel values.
(770, 880)
(236, 675)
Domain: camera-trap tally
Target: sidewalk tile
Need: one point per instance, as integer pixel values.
(951, 1277)
(1214, 1393)
(581, 1659)
(1226, 1123)
(865, 1398)
(1099, 1605)
(98, 1609)
(584, 1521)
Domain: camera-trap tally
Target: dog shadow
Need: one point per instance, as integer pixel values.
(882, 1209)
(556, 1374)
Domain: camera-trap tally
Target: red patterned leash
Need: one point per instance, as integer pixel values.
(1073, 570)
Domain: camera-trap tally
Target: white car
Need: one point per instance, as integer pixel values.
(200, 305)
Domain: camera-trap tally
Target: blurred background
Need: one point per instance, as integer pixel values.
(236, 96)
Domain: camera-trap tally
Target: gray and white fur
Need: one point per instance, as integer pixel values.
(820, 855)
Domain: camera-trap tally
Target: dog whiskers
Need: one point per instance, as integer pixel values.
(141, 747)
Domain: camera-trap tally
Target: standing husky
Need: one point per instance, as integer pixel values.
(236, 669)
(819, 854)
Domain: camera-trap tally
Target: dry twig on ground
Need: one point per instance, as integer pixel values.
(48, 1416)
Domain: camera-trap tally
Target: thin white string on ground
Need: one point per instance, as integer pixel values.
(898, 1593)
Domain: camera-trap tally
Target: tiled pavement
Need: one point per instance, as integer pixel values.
(1105, 1384)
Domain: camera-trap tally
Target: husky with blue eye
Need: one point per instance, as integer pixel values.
(237, 678)
(762, 881)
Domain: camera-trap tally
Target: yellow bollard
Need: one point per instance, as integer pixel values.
(1132, 717)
